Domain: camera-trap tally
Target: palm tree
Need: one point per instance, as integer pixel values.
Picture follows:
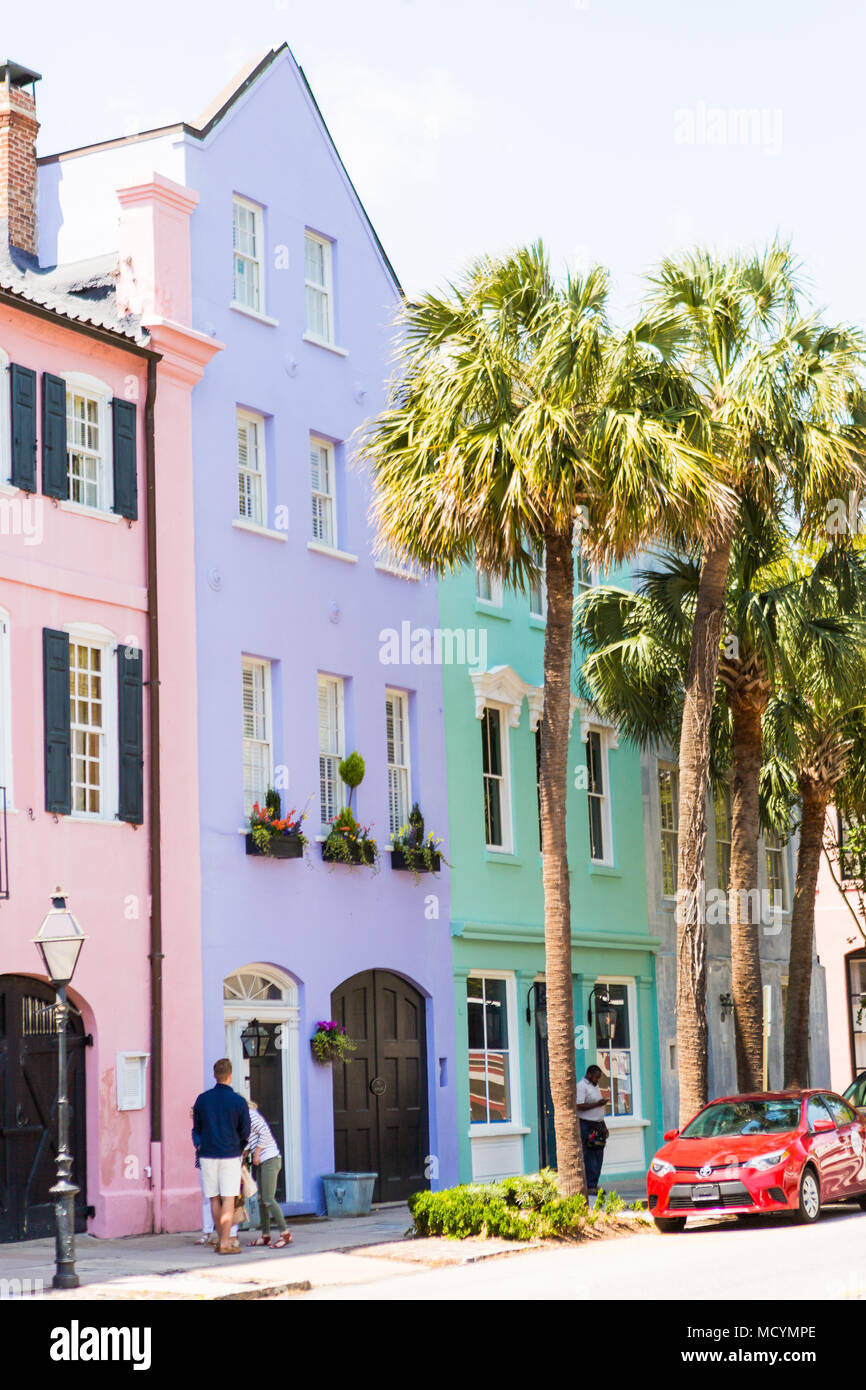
(516, 414)
(816, 731)
(782, 393)
(779, 613)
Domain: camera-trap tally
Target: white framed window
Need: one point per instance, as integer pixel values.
(777, 871)
(598, 796)
(724, 822)
(252, 484)
(257, 731)
(332, 746)
(324, 492)
(92, 722)
(5, 708)
(496, 770)
(615, 1033)
(89, 478)
(669, 819)
(586, 575)
(538, 588)
(131, 1080)
(248, 247)
(399, 769)
(318, 277)
(493, 1061)
(488, 587)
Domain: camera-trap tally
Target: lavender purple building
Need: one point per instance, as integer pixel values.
(291, 606)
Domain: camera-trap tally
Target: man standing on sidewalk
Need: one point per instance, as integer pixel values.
(221, 1128)
(591, 1101)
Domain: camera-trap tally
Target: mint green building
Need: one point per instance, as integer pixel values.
(493, 701)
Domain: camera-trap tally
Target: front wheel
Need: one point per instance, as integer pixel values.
(809, 1207)
(670, 1225)
(861, 1202)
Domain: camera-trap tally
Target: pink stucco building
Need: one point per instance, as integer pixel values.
(841, 948)
(98, 749)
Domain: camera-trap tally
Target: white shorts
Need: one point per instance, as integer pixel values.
(220, 1177)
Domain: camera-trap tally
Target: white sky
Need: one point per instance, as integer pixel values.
(472, 125)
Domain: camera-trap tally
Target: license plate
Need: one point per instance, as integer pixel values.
(705, 1192)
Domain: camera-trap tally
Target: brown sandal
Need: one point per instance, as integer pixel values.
(285, 1239)
(259, 1240)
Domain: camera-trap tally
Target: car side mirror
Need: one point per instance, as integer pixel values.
(670, 1134)
(822, 1126)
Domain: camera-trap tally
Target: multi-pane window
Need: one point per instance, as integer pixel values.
(489, 1082)
(86, 472)
(722, 805)
(494, 765)
(613, 1046)
(87, 727)
(597, 795)
(857, 1010)
(323, 492)
(5, 709)
(399, 778)
(583, 573)
(538, 587)
(774, 852)
(251, 467)
(332, 747)
(248, 266)
(669, 815)
(258, 746)
(488, 588)
(317, 271)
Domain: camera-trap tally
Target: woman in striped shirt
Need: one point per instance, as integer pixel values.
(263, 1148)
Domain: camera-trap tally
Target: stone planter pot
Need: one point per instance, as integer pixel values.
(398, 861)
(282, 847)
(348, 1194)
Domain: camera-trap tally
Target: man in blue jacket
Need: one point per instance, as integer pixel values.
(221, 1128)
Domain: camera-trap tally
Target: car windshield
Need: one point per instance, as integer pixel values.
(744, 1117)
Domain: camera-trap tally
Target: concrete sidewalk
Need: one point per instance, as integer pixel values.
(323, 1252)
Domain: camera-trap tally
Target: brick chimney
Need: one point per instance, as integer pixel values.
(18, 129)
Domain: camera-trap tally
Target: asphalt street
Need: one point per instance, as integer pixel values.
(769, 1258)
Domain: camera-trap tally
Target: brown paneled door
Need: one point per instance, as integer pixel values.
(28, 1109)
(380, 1093)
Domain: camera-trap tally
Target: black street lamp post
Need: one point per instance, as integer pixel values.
(60, 939)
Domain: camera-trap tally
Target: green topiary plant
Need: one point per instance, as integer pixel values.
(422, 853)
(351, 771)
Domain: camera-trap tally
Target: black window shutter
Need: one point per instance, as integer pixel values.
(58, 770)
(54, 479)
(123, 439)
(22, 385)
(130, 735)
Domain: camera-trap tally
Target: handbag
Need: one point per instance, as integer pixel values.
(249, 1186)
(597, 1137)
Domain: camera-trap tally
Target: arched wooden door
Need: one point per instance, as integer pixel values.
(28, 1109)
(380, 1093)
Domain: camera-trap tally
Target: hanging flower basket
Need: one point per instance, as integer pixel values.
(331, 1043)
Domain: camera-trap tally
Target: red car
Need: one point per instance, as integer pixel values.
(775, 1151)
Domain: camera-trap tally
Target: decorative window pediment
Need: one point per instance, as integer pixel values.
(500, 686)
(587, 713)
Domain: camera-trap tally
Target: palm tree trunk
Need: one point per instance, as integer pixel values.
(553, 784)
(814, 799)
(694, 776)
(743, 913)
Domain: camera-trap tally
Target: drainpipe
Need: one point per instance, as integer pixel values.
(156, 953)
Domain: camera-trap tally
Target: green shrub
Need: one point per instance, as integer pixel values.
(519, 1208)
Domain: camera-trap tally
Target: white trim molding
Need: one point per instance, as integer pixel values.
(501, 686)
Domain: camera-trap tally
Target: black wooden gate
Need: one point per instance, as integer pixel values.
(28, 1109)
(380, 1094)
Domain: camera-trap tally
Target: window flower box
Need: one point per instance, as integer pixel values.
(272, 835)
(280, 847)
(414, 851)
